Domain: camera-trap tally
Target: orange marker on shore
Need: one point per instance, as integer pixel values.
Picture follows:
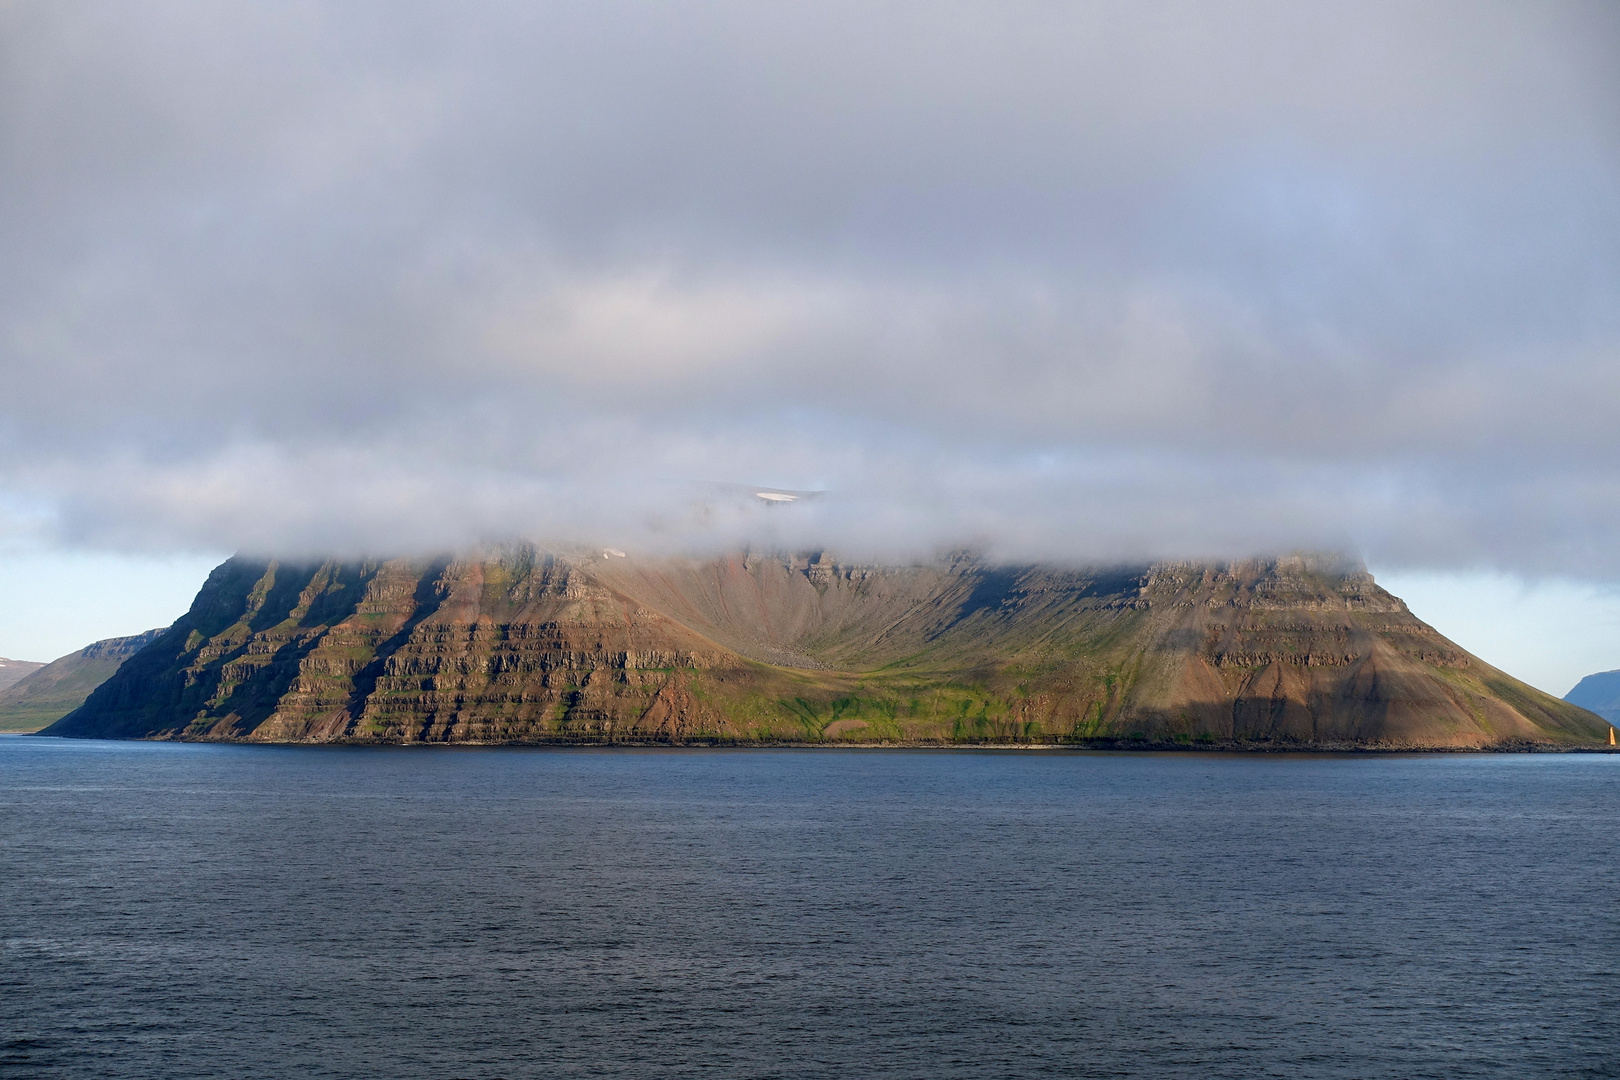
(1611, 734)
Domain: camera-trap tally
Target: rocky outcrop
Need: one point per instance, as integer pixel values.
(520, 645)
(53, 690)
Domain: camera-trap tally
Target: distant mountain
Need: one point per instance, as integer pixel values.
(53, 690)
(13, 670)
(520, 645)
(1599, 693)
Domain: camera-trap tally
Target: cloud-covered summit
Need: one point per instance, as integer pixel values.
(1084, 281)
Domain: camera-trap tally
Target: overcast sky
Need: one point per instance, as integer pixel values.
(1077, 281)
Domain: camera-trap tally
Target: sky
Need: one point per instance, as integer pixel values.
(1081, 282)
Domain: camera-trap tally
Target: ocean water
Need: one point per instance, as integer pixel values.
(218, 911)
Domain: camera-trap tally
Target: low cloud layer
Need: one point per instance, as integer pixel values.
(1084, 282)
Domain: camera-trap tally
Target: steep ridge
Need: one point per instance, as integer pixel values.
(519, 645)
(55, 689)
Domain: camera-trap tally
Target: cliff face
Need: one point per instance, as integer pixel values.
(51, 691)
(526, 646)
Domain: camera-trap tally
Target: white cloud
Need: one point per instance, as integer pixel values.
(1083, 281)
(642, 331)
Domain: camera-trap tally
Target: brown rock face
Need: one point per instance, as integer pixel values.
(520, 645)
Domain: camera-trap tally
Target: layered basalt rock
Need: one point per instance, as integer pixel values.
(521, 645)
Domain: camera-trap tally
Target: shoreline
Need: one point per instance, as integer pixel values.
(1088, 745)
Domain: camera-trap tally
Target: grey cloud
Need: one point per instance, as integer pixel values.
(1078, 281)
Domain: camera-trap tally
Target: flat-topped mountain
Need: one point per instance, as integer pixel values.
(520, 645)
(51, 691)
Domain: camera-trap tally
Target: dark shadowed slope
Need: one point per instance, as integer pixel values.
(1600, 693)
(53, 690)
(516, 644)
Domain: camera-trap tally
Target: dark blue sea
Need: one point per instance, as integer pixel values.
(173, 911)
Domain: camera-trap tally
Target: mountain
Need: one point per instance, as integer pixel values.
(53, 690)
(1600, 693)
(515, 644)
(13, 670)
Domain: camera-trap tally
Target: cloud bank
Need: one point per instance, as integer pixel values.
(1074, 281)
